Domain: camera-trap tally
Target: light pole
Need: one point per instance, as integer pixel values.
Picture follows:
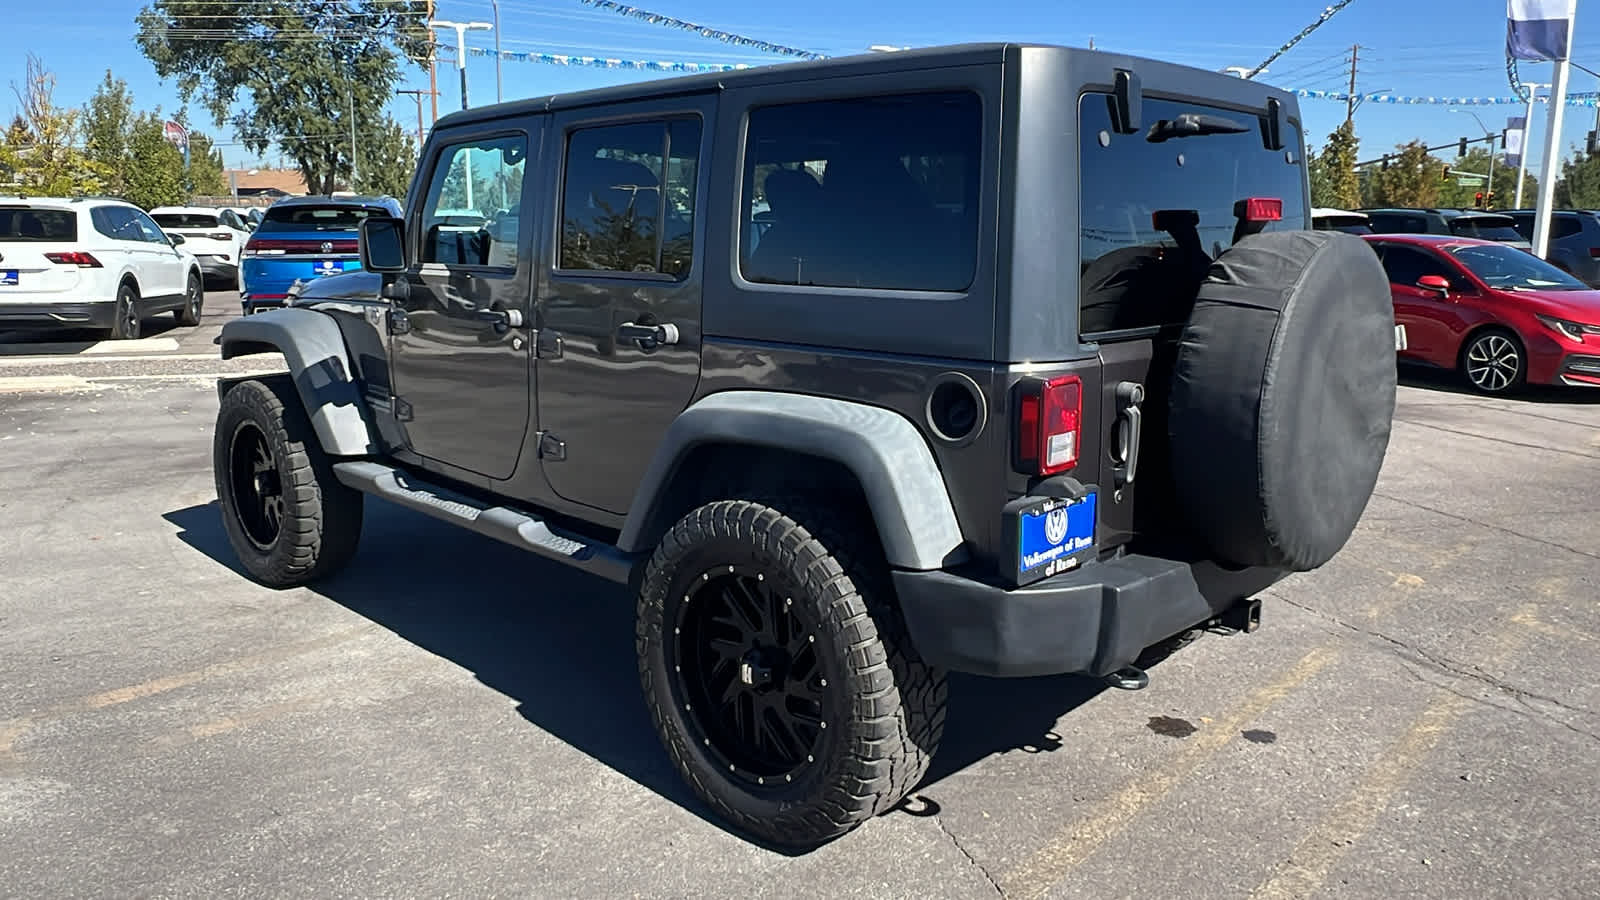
(1488, 189)
(498, 97)
(461, 29)
(1527, 125)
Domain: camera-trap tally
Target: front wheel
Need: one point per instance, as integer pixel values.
(1494, 362)
(780, 677)
(288, 518)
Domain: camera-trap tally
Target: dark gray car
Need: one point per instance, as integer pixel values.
(1026, 373)
(1574, 241)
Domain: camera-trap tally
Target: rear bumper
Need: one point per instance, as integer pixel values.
(1093, 620)
(81, 314)
(212, 265)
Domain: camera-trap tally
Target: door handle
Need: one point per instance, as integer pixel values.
(399, 322)
(648, 337)
(1130, 421)
(501, 319)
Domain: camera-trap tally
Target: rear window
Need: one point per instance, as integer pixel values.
(185, 220)
(1155, 213)
(1489, 228)
(315, 218)
(1346, 224)
(1560, 226)
(1398, 223)
(24, 223)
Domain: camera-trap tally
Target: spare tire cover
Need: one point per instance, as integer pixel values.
(1282, 398)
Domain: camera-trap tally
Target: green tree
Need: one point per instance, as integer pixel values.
(1333, 172)
(1412, 179)
(205, 176)
(38, 155)
(288, 73)
(1579, 185)
(387, 158)
(107, 118)
(155, 167)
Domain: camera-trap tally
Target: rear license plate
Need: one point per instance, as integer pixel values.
(328, 267)
(8, 276)
(1051, 535)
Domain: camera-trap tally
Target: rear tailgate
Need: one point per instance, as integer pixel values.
(27, 233)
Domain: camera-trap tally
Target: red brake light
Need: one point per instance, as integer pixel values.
(1263, 209)
(1594, 252)
(74, 258)
(1049, 425)
(271, 247)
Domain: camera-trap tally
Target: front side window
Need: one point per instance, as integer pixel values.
(1407, 265)
(1157, 207)
(870, 192)
(473, 212)
(628, 198)
(148, 230)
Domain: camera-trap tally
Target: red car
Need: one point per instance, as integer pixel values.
(1500, 316)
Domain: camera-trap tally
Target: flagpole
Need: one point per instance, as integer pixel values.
(1552, 157)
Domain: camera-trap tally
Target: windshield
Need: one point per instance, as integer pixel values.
(314, 218)
(1509, 269)
(185, 220)
(27, 224)
(1489, 229)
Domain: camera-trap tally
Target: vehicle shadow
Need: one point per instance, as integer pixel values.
(560, 644)
(1448, 382)
(70, 341)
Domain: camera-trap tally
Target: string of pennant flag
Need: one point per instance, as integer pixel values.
(726, 37)
(1341, 96)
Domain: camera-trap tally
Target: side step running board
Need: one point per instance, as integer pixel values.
(518, 529)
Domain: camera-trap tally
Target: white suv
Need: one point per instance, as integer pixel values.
(216, 237)
(91, 263)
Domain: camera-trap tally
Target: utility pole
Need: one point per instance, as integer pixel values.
(499, 95)
(433, 80)
(1350, 101)
(354, 172)
(417, 95)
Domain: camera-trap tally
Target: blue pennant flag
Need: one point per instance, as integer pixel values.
(1539, 29)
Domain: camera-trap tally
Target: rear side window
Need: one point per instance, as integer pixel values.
(185, 220)
(1560, 226)
(1155, 213)
(872, 192)
(628, 198)
(23, 223)
(341, 217)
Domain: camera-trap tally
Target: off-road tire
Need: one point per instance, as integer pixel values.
(194, 298)
(126, 323)
(887, 705)
(320, 521)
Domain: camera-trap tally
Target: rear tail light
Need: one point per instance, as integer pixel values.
(74, 258)
(1049, 424)
(276, 247)
(1594, 252)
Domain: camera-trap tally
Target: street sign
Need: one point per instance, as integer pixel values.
(1465, 181)
(177, 134)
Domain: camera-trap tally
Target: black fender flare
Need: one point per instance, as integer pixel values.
(319, 366)
(910, 504)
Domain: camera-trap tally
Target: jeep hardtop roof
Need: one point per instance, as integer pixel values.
(1158, 77)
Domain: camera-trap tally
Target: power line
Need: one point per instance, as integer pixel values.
(1326, 15)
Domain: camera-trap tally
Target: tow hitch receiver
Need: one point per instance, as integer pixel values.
(1244, 616)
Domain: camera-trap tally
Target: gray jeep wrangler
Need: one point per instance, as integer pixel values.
(1000, 359)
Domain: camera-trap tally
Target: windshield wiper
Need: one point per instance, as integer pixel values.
(1192, 125)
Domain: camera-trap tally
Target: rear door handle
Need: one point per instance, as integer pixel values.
(1130, 421)
(648, 336)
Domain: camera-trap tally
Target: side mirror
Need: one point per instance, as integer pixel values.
(1436, 283)
(176, 239)
(383, 244)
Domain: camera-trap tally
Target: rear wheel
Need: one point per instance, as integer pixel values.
(193, 300)
(288, 518)
(780, 676)
(1494, 362)
(126, 324)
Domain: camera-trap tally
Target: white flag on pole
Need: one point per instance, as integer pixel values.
(1516, 133)
(1539, 29)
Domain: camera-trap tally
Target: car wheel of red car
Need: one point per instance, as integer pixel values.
(1494, 362)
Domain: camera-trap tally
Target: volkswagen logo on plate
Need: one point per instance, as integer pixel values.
(327, 246)
(1055, 525)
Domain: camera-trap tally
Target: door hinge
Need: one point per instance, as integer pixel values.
(550, 448)
(402, 410)
(547, 345)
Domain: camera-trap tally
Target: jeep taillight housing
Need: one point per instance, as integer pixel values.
(1049, 424)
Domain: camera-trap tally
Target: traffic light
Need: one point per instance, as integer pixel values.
(1386, 162)
(1446, 175)
(1488, 202)
(1592, 144)
(1461, 148)
(1477, 201)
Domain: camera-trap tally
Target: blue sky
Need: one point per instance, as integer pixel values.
(1416, 47)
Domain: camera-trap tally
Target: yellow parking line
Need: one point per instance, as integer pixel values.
(1564, 632)
(1066, 850)
(1308, 865)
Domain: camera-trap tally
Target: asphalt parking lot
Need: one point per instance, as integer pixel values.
(450, 717)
